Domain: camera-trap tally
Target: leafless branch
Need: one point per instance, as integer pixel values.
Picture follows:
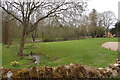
(11, 14)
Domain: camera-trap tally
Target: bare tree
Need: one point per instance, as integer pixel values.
(5, 29)
(6, 19)
(108, 19)
(23, 11)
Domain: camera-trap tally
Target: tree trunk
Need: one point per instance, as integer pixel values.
(21, 48)
(106, 33)
(33, 38)
(34, 35)
(5, 34)
(107, 30)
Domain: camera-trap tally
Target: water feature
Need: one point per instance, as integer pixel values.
(36, 57)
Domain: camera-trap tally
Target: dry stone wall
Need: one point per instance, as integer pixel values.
(64, 71)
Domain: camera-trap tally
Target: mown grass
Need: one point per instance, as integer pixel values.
(86, 52)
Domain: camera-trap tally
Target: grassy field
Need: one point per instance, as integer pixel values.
(86, 52)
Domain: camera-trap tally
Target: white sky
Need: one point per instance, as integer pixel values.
(104, 5)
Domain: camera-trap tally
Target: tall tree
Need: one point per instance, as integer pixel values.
(5, 30)
(108, 20)
(5, 26)
(93, 22)
(117, 29)
(24, 10)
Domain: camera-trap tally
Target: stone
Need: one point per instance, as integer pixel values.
(117, 65)
(115, 73)
(9, 74)
(118, 62)
(33, 72)
(23, 73)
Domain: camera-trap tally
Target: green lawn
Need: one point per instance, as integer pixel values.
(86, 52)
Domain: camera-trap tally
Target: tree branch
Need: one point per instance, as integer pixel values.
(11, 14)
(13, 5)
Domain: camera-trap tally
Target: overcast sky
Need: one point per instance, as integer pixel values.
(104, 5)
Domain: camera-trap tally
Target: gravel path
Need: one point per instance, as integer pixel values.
(112, 46)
